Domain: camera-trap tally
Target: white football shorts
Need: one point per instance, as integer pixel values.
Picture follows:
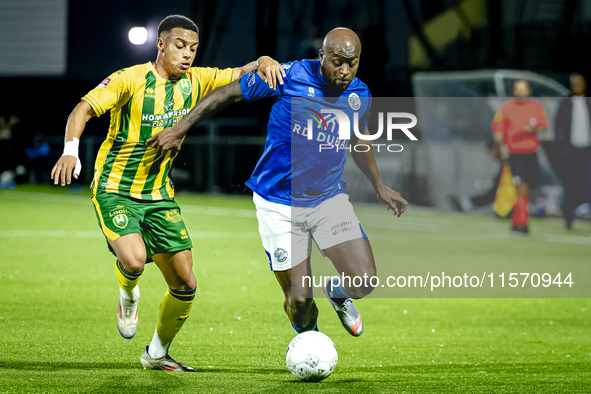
(287, 232)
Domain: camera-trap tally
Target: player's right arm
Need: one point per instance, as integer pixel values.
(106, 95)
(69, 162)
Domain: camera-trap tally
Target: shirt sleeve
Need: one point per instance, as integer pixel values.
(543, 120)
(115, 88)
(211, 78)
(253, 87)
(498, 123)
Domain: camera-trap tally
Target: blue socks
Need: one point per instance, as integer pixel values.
(337, 294)
(313, 326)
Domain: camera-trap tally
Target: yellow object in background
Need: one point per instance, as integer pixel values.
(506, 196)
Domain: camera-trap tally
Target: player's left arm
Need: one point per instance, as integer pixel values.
(542, 122)
(268, 69)
(366, 162)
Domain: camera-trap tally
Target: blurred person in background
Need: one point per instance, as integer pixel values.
(5, 144)
(515, 128)
(573, 139)
(12, 158)
(37, 157)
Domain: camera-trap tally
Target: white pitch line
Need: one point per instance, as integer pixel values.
(567, 239)
(49, 234)
(97, 234)
(217, 211)
(370, 220)
(185, 208)
(475, 234)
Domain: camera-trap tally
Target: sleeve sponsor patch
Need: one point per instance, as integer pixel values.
(251, 78)
(104, 83)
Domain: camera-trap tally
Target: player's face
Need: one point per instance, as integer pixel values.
(578, 85)
(178, 49)
(521, 90)
(339, 67)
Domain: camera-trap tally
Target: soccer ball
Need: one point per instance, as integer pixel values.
(311, 356)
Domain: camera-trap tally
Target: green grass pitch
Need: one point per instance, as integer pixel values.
(58, 299)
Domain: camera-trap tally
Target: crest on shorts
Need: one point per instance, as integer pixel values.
(120, 221)
(280, 255)
(173, 216)
(185, 87)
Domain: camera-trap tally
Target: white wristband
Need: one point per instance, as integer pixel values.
(71, 149)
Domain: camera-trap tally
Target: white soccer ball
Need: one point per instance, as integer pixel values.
(311, 356)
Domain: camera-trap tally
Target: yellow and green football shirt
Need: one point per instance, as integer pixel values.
(142, 104)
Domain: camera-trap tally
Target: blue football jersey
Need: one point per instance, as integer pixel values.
(302, 164)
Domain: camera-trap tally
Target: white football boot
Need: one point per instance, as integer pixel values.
(127, 316)
(165, 363)
(347, 313)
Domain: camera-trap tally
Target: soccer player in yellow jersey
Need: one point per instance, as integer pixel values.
(133, 194)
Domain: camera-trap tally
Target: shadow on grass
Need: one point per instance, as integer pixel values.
(401, 369)
(76, 365)
(64, 365)
(329, 380)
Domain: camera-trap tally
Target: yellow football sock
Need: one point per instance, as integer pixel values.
(174, 310)
(127, 280)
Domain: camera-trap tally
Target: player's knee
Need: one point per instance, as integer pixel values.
(185, 282)
(192, 282)
(133, 263)
(363, 287)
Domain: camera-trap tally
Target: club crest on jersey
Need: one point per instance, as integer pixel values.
(311, 92)
(104, 83)
(185, 87)
(280, 255)
(354, 101)
(120, 221)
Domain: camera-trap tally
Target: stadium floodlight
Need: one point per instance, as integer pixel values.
(138, 35)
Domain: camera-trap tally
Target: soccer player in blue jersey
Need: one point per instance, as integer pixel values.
(298, 187)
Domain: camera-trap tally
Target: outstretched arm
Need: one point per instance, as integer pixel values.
(62, 171)
(367, 164)
(269, 70)
(211, 104)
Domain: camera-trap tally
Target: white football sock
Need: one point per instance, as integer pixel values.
(158, 349)
(133, 295)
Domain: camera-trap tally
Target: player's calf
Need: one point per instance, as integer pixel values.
(129, 294)
(302, 313)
